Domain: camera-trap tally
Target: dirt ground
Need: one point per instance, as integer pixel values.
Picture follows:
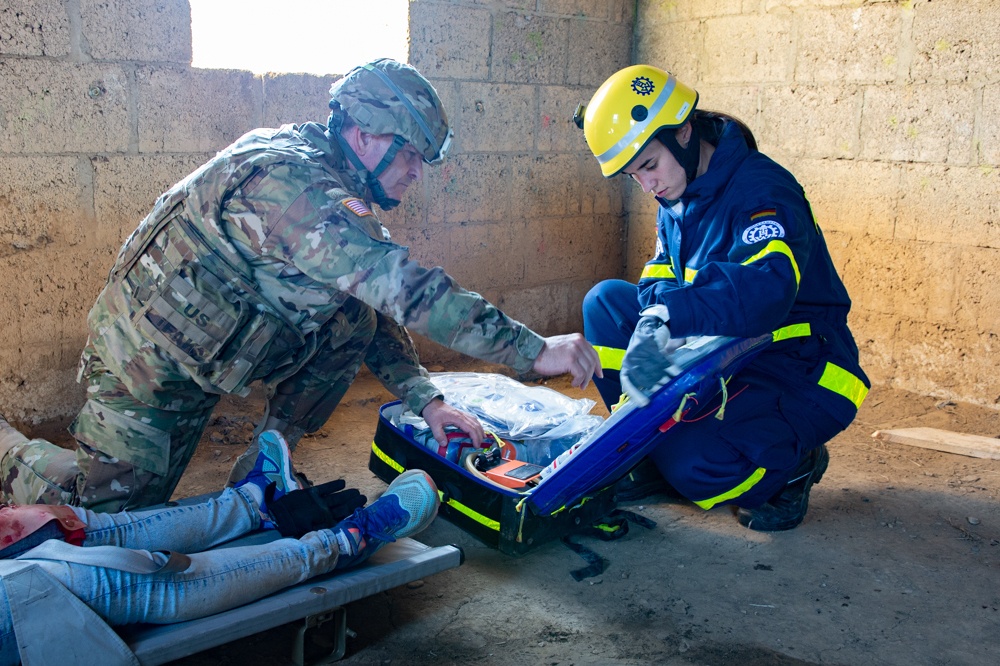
(896, 563)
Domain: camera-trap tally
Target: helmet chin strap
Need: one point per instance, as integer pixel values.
(381, 199)
(687, 157)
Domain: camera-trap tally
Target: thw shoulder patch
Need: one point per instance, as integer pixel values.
(763, 225)
(357, 206)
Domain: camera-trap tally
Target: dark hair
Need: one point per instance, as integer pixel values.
(710, 124)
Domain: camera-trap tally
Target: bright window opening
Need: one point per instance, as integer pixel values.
(311, 36)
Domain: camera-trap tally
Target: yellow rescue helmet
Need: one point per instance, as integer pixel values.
(628, 110)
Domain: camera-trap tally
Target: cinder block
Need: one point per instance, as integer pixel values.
(125, 187)
(573, 248)
(49, 106)
(488, 254)
(640, 231)
(659, 13)
(555, 130)
(921, 123)
(472, 188)
(546, 185)
(450, 41)
(40, 205)
(501, 4)
(597, 50)
(143, 30)
(296, 98)
(955, 42)
(548, 309)
(988, 147)
(851, 44)
(742, 102)
(944, 361)
(875, 334)
(621, 11)
(675, 47)
(34, 28)
(751, 49)
(51, 291)
(952, 205)
(185, 110)
(591, 9)
(496, 117)
(812, 121)
(787, 5)
(529, 48)
(904, 278)
(977, 305)
(428, 247)
(854, 197)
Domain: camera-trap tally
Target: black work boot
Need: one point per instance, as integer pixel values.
(786, 510)
(643, 481)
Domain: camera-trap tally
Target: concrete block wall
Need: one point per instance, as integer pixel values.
(519, 212)
(100, 111)
(886, 111)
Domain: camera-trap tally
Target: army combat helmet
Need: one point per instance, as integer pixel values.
(631, 108)
(388, 97)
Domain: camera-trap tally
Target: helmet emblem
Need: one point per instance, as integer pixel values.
(643, 85)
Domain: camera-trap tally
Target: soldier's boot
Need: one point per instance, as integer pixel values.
(786, 510)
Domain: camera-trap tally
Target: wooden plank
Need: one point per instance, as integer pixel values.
(943, 440)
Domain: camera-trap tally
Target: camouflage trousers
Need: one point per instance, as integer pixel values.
(131, 454)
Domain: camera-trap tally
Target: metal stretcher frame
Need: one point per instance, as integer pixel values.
(317, 601)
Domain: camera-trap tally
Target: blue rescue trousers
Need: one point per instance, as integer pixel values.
(743, 459)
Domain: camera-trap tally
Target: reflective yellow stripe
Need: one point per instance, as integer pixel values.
(386, 459)
(844, 383)
(455, 504)
(777, 246)
(793, 331)
(658, 271)
(611, 358)
(735, 492)
(476, 516)
(689, 274)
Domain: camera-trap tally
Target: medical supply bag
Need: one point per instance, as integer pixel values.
(515, 506)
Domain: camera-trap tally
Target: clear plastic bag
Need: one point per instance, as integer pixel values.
(540, 422)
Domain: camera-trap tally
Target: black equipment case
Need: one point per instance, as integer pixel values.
(580, 491)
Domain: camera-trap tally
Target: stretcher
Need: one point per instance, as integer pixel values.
(576, 491)
(318, 605)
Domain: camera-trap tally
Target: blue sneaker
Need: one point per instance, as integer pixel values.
(408, 506)
(272, 475)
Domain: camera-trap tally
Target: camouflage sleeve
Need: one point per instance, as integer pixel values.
(393, 359)
(335, 239)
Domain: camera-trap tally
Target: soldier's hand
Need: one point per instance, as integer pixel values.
(569, 353)
(439, 414)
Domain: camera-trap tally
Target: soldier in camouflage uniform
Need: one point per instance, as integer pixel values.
(268, 263)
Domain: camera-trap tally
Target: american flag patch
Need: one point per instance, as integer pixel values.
(357, 206)
(767, 212)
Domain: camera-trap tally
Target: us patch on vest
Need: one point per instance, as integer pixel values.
(764, 225)
(357, 206)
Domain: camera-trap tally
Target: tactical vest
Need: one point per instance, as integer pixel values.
(190, 291)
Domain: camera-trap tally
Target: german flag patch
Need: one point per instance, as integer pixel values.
(763, 214)
(357, 206)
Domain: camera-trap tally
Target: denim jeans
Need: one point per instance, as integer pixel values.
(215, 581)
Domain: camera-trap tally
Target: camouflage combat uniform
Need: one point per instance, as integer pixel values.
(267, 264)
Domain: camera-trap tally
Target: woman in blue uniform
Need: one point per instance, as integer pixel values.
(738, 253)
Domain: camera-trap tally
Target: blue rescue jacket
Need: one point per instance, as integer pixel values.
(740, 254)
